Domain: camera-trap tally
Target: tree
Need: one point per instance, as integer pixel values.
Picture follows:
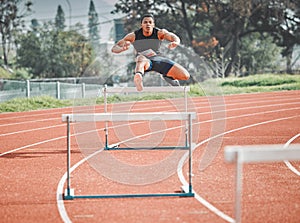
(30, 54)
(78, 53)
(60, 19)
(93, 26)
(258, 53)
(12, 13)
(241, 18)
(49, 53)
(280, 18)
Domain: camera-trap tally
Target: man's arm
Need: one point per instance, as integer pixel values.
(172, 37)
(124, 43)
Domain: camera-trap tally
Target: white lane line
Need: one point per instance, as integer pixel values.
(182, 161)
(60, 188)
(209, 112)
(195, 105)
(43, 114)
(198, 123)
(242, 102)
(31, 130)
(37, 113)
(26, 122)
(58, 138)
(16, 116)
(288, 163)
(247, 108)
(34, 144)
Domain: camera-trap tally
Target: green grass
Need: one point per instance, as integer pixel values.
(250, 84)
(34, 103)
(260, 80)
(260, 83)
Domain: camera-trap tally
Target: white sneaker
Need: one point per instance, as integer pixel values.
(138, 81)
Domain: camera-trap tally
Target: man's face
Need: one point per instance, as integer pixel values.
(147, 24)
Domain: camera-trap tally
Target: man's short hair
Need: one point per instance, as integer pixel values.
(147, 15)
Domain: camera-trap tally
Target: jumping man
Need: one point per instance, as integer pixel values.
(147, 41)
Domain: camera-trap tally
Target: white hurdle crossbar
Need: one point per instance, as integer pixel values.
(256, 154)
(126, 90)
(109, 117)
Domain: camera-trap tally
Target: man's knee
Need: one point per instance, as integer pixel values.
(186, 75)
(141, 59)
(142, 62)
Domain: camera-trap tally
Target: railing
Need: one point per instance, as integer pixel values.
(10, 89)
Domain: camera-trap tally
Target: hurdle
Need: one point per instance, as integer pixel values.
(127, 90)
(256, 154)
(186, 191)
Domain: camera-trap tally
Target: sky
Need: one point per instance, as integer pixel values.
(45, 10)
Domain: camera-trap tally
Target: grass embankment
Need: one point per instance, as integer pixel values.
(34, 103)
(261, 83)
(250, 84)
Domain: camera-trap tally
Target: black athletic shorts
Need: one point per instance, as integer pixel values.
(160, 64)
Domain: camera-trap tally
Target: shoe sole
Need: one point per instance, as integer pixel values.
(138, 81)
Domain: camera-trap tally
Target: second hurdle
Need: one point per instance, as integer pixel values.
(128, 90)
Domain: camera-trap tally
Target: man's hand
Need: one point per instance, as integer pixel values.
(126, 45)
(173, 45)
(121, 46)
(172, 37)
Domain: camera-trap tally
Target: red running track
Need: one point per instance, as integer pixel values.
(33, 164)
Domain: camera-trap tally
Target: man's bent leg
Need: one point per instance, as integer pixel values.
(142, 64)
(178, 72)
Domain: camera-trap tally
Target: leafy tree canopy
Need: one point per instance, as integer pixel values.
(208, 25)
(47, 52)
(12, 13)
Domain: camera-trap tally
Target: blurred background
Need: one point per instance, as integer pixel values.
(69, 41)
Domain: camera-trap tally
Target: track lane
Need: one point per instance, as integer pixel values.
(196, 210)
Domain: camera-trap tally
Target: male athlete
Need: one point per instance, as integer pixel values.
(147, 41)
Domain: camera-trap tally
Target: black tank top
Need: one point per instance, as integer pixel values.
(143, 43)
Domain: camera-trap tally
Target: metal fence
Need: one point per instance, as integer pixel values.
(10, 89)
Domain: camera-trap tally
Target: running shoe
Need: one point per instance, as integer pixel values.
(171, 81)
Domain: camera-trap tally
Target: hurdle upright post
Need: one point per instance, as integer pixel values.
(68, 155)
(238, 190)
(186, 110)
(68, 191)
(105, 111)
(190, 153)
